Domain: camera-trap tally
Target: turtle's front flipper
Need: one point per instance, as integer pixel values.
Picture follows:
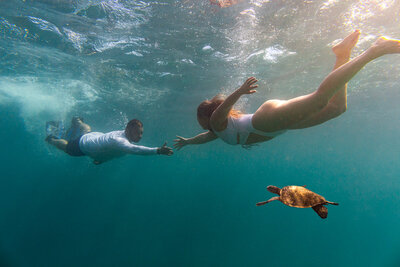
(265, 202)
(321, 210)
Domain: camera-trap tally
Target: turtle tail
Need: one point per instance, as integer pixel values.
(332, 203)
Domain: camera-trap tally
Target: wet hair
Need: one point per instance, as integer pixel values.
(131, 126)
(133, 123)
(207, 107)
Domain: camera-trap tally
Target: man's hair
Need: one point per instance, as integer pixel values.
(132, 127)
(134, 123)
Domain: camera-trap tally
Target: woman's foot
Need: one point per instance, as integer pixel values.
(343, 49)
(384, 46)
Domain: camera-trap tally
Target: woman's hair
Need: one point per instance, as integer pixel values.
(207, 107)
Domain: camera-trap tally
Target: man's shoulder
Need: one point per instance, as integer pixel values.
(118, 137)
(91, 135)
(116, 133)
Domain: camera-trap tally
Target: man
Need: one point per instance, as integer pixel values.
(102, 147)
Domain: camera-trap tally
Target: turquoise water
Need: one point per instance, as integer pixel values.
(110, 61)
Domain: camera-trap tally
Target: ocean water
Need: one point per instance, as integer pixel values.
(112, 60)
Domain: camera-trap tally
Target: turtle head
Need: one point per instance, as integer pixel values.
(274, 189)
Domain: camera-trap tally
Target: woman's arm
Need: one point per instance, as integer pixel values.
(196, 140)
(220, 115)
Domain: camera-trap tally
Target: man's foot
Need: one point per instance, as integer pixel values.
(384, 46)
(343, 49)
(76, 120)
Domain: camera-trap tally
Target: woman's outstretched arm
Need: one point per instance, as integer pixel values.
(220, 115)
(196, 140)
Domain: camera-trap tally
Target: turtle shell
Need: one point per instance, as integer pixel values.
(300, 197)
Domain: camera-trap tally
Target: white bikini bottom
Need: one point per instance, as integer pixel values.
(238, 130)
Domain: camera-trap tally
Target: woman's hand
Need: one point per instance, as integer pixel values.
(180, 142)
(248, 86)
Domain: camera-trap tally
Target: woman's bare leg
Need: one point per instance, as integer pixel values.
(276, 115)
(338, 103)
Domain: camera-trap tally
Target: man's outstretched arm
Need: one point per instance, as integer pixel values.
(129, 148)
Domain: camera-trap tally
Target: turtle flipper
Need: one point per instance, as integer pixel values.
(332, 203)
(265, 202)
(321, 210)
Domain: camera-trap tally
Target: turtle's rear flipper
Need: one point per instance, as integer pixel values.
(332, 203)
(261, 203)
(321, 210)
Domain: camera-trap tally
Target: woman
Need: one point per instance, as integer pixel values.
(274, 117)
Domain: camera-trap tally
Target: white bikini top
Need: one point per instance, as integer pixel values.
(229, 135)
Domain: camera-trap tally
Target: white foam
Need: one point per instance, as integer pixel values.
(249, 12)
(45, 25)
(77, 39)
(361, 11)
(187, 61)
(259, 3)
(255, 54)
(328, 4)
(272, 53)
(207, 48)
(40, 101)
(134, 53)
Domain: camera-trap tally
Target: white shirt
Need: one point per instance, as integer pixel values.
(105, 146)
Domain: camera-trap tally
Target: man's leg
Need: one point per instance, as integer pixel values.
(61, 144)
(77, 122)
(84, 128)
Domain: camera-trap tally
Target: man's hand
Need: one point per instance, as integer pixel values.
(164, 150)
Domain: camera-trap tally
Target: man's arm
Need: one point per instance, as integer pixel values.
(129, 148)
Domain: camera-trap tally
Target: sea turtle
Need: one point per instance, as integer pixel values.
(299, 197)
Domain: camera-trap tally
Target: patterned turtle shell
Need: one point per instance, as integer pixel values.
(300, 197)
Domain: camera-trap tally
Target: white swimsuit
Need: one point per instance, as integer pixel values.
(241, 127)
